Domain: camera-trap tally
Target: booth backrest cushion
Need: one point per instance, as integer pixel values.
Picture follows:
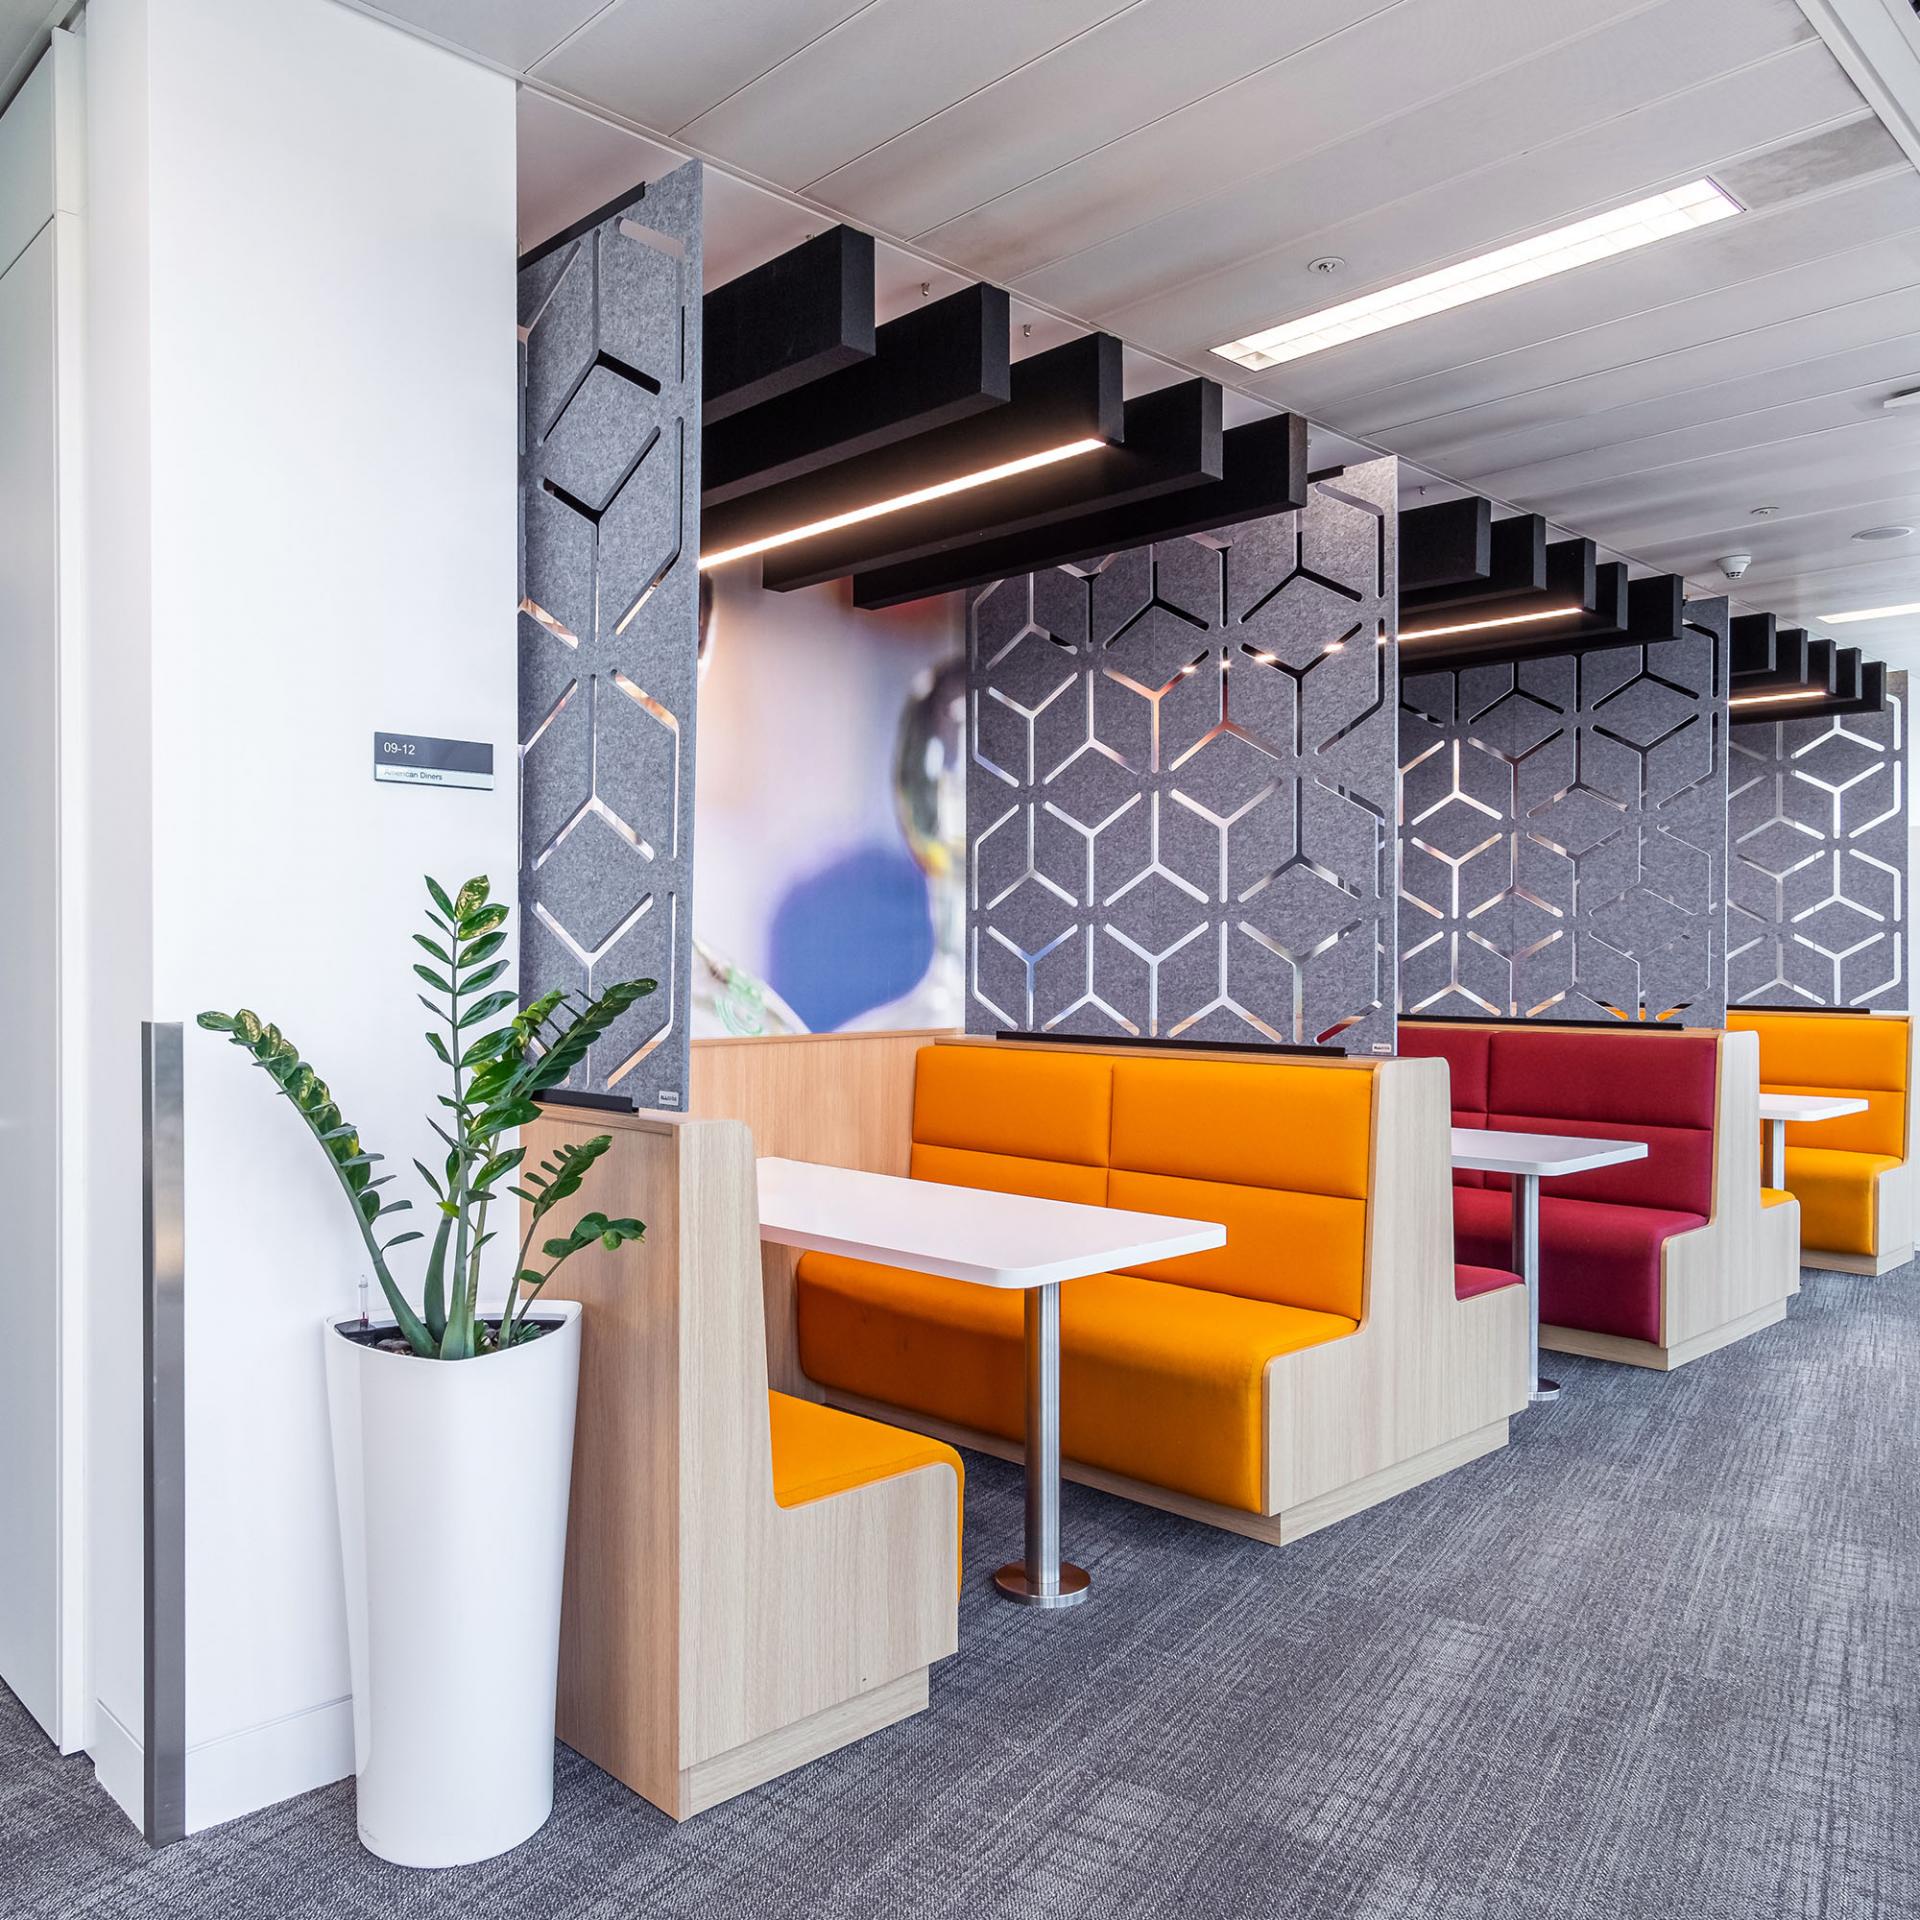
(1465, 1051)
(1279, 1154)
(1863, 1056)
(1616, 1087)
(1014, 1120)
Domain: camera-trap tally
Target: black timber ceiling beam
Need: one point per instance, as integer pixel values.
(939, 363)
(804, 314)
(1173, 442)
(1071, 392)
(1750, 647)
(1264, 471)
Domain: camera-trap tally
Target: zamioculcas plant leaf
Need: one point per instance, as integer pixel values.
(495, 1076)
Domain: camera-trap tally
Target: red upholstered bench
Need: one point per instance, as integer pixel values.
(1655, 1261)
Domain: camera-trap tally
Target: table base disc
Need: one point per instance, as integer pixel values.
(1546, 1390)
(1014, 1584)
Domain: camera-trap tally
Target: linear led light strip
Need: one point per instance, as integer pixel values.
(1869, 613)
(1481, 626)
(940, 490)
(1774, 699)
(1679, 210)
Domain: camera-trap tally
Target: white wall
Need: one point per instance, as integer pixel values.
(327, 318)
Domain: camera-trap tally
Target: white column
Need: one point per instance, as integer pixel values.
(304, 530)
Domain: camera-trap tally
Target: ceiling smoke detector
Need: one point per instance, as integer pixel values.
(1733, 565)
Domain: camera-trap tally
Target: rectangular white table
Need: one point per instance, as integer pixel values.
(988, 1240)
(1776, 1109)
(1531, 1158)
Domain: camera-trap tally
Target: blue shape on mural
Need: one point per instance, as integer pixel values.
(852, 936)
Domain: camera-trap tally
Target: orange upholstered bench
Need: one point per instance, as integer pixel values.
(1853, 1176)
(1321, 1360)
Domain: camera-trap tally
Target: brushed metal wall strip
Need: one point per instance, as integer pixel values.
(163, 1128)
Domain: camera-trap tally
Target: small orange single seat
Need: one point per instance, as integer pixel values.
(1835, 1189)
(1774, 1196)
(819, 1451)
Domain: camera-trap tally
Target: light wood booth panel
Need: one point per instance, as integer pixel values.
(712, 1638)
(841, 1099)
(1427, 1382)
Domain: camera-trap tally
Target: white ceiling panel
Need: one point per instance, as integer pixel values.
(1248, 131)
(1660, 297)
(510, 33)
(1517, 123)
(934, 49)
(1168, 168)
(1759, 366)
(1522, 194)
(665, 62)
(1770, 406)
(1145, 64)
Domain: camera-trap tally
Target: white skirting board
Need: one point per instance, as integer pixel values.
(238, 1773)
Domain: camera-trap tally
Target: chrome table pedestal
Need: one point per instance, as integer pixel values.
(1041, 1580)
(1526, 1263)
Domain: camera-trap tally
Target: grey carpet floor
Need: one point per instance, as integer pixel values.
(1660, 1657)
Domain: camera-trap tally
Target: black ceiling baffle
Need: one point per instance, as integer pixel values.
(805, 313)
(1071, 392)
(1446, 545)
(1265, 472)
(935, 365)
(1173, 443)
(1788, 672)
(1517, 566)
(1750, 646)
(1656, 608)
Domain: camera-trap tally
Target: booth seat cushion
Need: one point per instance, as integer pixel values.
(1836, 1191)
(1676, 1175)
(1279, 1154)
(1599, 1262)
(1470, 1281)
(1774, 1196)
(1159, 1382)
(820, 1451)
(1881, 1129)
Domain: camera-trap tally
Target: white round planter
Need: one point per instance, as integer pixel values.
(452, 1479)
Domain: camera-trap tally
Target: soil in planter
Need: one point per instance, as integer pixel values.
(383, 1339)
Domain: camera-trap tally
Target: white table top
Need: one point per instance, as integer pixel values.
(963, 1233)
(1541, 1153)
(1808, 1106)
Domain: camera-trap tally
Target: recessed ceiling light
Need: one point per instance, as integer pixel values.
(1883, 533)
(1678, 210)
(900, 502)
(1763, 513)
(1869, 613)
(1907, 397)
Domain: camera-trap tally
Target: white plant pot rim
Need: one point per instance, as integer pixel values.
(559, 1311)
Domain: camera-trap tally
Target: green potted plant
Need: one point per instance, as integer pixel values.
(452, 1481)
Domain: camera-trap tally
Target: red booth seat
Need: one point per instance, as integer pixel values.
(1471, 1281)
(1602, 1234)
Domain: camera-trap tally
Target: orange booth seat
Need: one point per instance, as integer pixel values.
(1852, 1176)
(1325, 1358)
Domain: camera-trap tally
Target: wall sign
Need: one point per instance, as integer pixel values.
(420, 760)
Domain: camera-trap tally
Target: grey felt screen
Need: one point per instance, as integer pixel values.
(1817, 909)
(609, 618)
(1563, 833)
(1180, 789)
